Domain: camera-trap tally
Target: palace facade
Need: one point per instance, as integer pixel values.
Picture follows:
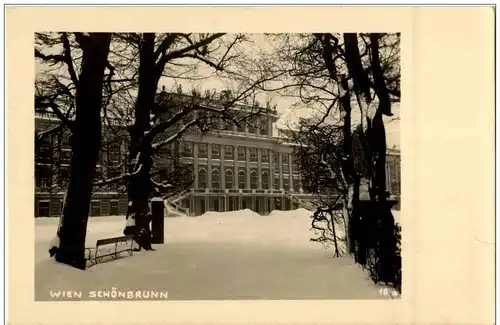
(234, 168)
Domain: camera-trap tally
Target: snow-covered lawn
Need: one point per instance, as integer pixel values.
(232, 255)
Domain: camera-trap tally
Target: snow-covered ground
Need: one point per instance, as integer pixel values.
(232, 255)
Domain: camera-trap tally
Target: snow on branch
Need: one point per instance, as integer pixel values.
(135, 161)
(175, 136)
(118, 178)
(164, 185)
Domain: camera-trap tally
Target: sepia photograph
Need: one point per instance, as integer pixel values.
(217, 166)
(249, 164)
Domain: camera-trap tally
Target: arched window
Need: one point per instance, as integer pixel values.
(242, 180)
(202, 178)
(229, 179)
(254, 180)
(265, 180)
(215, 179)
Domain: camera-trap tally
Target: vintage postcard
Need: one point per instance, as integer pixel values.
(247, 165)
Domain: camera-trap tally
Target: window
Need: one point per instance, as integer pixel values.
(44, 209)
(187, 149)
(254, 180)
(242, 180)
(229, 179)
(284, 159)
(113, 208)
(202, 150)
(264, 127)
(46, 141)
(215, 179)
(45, 182)
(63, 176)
(43, 177)
(215, 151)
(253, 154)
(114, 154)
(295, 163)
(265, 180)
(188, 174)
(286, 184)
(276, 183)
(228, 152)
(242, 154)
(202, 178)
(45, 154)
(95, 208)
(65, 140)
(297, 184)
(264, 155)
(276, 161)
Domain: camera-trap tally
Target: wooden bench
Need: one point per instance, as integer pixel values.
(114, 252)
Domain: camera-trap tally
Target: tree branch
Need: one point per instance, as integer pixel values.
(180, 53)
(164, 185)
(56, 58)
(118, 178)
(67, 58)
(55, 109)
(165, 45)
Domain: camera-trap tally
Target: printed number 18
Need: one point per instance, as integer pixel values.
(385, 292)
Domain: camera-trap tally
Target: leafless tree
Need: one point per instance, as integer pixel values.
(83, 92)
(337, 75)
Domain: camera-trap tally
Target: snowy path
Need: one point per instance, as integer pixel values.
(217, 256)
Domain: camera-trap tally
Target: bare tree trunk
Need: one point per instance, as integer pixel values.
(139, 186)
(85, 145)
(352, 181)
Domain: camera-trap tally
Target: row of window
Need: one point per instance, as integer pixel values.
(46, 208)
(242, 180)
(44, 176)
(254, 126)
(63, 156)
(55, 149)
(228, 152)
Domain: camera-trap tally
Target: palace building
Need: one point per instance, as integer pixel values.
(234, 168)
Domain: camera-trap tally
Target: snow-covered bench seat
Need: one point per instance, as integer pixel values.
(112, 247)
